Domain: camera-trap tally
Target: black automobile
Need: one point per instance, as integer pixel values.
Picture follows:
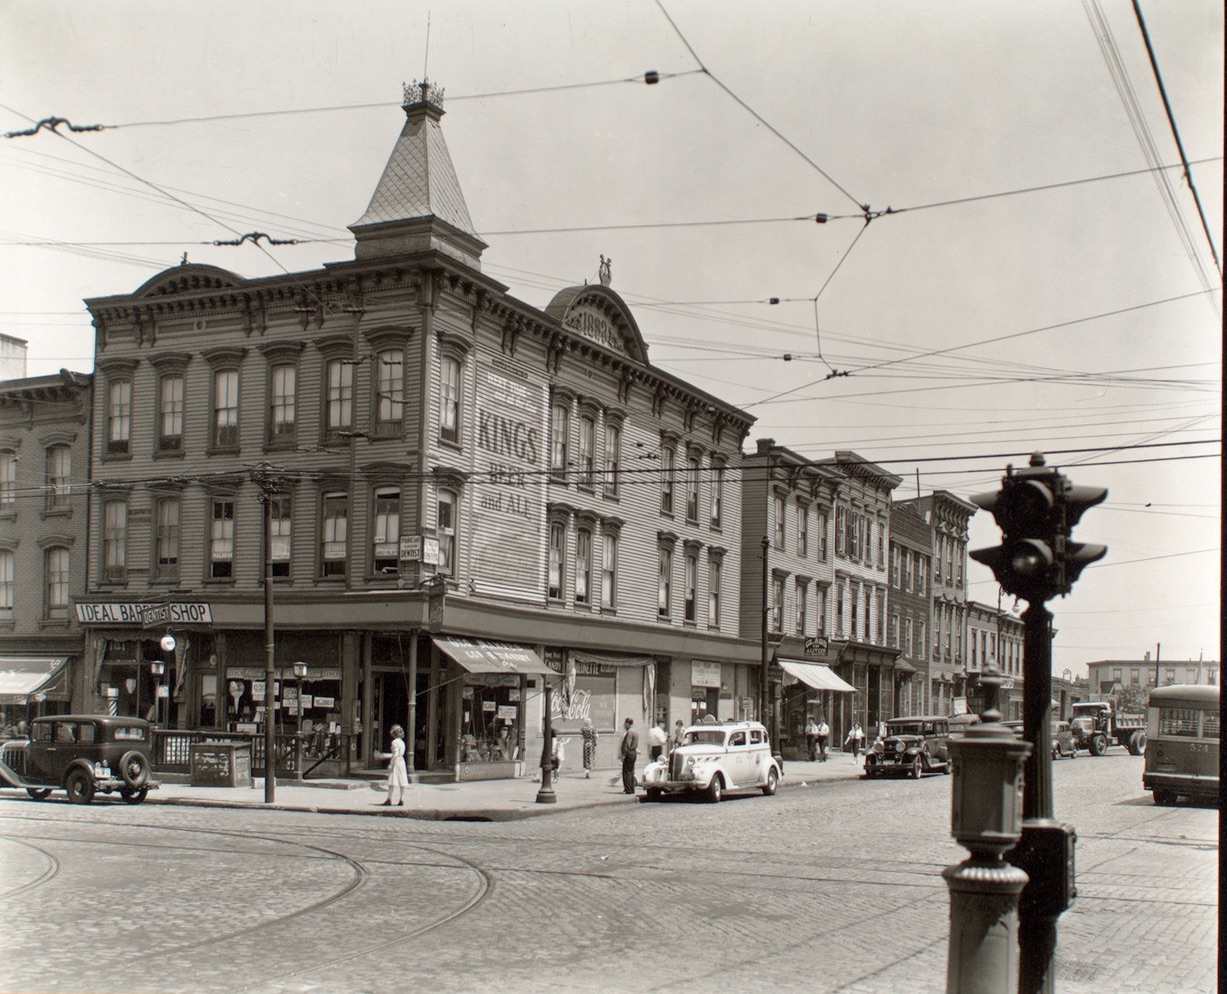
(911, 747)
(83, 754)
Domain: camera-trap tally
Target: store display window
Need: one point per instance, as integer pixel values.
(490, 718)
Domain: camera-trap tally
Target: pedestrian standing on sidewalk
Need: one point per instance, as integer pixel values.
(588, 734)
(630, 752)
(398, 773)
(811, 739)
(856, 736)
(679, 733)
(824, 734)
(658, 738)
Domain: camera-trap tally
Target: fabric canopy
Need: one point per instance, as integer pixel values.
(478, 656)
(817, 675)
(21, 676)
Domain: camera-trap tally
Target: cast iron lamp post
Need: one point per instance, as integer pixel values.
(546, 794)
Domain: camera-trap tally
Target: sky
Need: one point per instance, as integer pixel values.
(1012, 258)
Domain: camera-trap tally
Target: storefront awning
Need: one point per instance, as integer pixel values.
(817, 675)
(21, 676)
(478, 656)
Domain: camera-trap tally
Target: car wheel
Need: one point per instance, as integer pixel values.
(134, 769)
(918, 767)
(134, 796)
(1099, 745)
(653, 794)
(39, 793)
(80, 787)
(1056, 751)
(1137, 744)
(773, 781)
(1166, 798)
(715, 789)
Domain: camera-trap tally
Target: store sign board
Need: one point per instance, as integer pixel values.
(703, 674)
(418, 549)
(136, 613)
(507, 513)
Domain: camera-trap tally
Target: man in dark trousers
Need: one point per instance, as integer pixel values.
(630, 751)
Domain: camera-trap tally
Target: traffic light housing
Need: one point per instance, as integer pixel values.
(1036, 509)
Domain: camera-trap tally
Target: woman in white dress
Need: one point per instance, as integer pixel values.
(398, 773)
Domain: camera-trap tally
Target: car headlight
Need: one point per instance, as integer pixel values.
(899, 747)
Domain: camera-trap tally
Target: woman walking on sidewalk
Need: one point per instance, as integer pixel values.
(856, 736)
(398, 773)
(588, 734)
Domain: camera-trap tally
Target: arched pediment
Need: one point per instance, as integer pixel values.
(187, 279)
(598, 315)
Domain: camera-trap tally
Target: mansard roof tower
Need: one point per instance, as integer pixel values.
(418, 205)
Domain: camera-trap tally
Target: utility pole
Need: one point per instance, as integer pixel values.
(1158, 649)
(268, 487)
(764, 686)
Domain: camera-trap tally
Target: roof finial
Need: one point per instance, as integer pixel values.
(422, 92)
(605, 273)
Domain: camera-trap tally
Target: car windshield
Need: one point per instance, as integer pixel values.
(904, 728)
(705, 736)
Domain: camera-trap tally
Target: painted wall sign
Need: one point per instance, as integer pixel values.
(508, 519)
(135, 613)
(704, 674)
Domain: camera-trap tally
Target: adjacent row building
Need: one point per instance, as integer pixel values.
(456, 499)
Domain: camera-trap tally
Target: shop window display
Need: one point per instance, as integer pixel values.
(490, 719)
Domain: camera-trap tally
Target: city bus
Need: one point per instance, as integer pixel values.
(1182, 756)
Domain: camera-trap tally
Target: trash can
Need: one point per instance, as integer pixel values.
(221, 764)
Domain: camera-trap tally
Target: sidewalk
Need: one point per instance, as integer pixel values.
(482, 800)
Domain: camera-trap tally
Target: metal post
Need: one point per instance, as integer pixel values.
(764, 686)
(1040, 851)
(270, 665)
(546, 794)
(1158, 649)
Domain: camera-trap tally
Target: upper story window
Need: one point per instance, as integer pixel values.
(557, 546)
(59, 476)
(820, 609)
(166, 539)
(586, 456)
(691, 582)
(8, 477)
(386, 535)
(583, 566)
(664, 581)
(692, 489)
(119, 415)
(609, 571)
(777, 508)
(447, 532)
(717, 494)
(715, 581)
(802, 529)
(666, 479)
(824, 523)
(449, 399)
(283, 403)
(279, 510)
(389, 391)
(896, 560)
(613, 457)
(339, 399)
(802, 605)
(226, 409)
(58, 580)
(560, 439)
(170, 412)
(777, 603)
(221, 540)
(334, 534)
(115, 539)
(881, 533)
(841, 538)
(7, 561)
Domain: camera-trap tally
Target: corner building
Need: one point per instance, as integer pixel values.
(466, 497)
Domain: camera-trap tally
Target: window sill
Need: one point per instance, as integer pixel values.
(168, 454)
(56, 512)
(223, 450)
(117, 456)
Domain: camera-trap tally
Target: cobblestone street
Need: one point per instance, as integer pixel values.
(832, 887)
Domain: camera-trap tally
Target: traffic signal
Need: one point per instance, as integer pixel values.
(1074, 557)
(1036, 509)
(1025, 507)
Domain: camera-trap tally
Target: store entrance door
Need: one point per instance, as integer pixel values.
(389, 707)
